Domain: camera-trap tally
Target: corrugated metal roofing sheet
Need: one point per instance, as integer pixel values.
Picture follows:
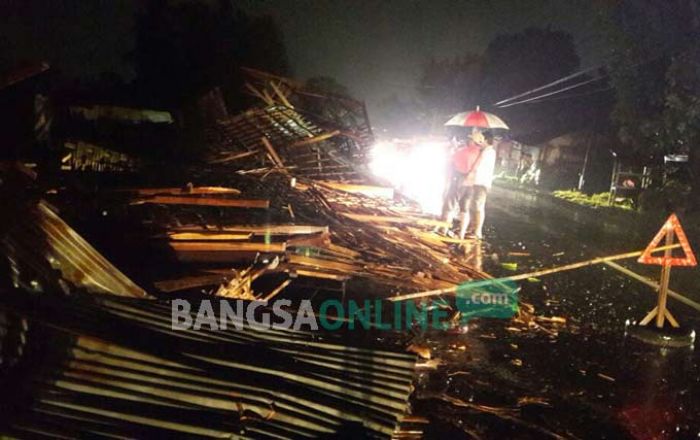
(113, 367)
(41, 243)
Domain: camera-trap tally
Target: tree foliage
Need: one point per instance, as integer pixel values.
(184, 48)
(449, 86)
(512, 64)
(520, 62)
(656, 74)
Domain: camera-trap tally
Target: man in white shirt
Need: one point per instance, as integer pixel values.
(476, 186)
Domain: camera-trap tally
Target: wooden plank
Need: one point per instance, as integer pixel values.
(439, 238)
(190, 282)
(283, 229)
(209, 236)
(273, 153)
(239, 285)
(319, 274)
(367, 190)
(226, 257)
(281, 95)
(367, 218)
(190, 246)
(266, 99)
(340, 250)
(197, 190)
(316, 240)
(233, 157)
(315, 139)
(320, 263)
(277, 290)
(206, 201)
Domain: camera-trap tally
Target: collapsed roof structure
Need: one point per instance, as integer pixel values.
(280, 208)
(320, 136)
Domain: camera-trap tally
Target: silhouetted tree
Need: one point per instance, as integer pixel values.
(656, 74)
(264, 46)
(512, 64)
(185, 48)
(516, 63)
(447, 87)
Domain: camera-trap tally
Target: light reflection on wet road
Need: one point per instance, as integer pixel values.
(593, 381)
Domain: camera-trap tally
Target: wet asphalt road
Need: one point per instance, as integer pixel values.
(591, 380)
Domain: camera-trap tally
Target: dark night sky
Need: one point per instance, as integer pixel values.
(375, 47)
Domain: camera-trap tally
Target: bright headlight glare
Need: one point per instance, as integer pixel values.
(417, 171)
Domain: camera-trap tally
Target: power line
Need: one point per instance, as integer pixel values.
(661, 51)
(577, 95)
(556, 92)
(546, 86)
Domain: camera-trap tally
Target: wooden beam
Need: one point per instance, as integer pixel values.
(319, 274)
(277, 290)
(315, 139)
(197, 190)
(190, 282)
(205, 201)
(235, 156)
(368, 190)
(273, 154)
(304, 241)
(267, 100)
(190, 246)
(208, 236)
(258, 229)
(281, 95)
(367, 218)
(319, 263)
(340, 250)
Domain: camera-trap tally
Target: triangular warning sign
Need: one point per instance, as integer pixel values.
(672, 225)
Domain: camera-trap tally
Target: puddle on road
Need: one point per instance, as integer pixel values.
(589, 380)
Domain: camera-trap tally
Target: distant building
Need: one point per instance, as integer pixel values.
(575, 160)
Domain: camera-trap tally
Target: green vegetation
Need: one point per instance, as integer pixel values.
(506, 178)
(594, 200)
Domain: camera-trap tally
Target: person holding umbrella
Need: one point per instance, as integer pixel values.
(473, 169)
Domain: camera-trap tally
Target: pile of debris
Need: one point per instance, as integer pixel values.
(281, 207)
(291, 128)
(106, 367)
(317, 230)
(82, 342)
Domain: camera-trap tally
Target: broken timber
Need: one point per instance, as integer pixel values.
(209, 236)
(228, 247)
(205, 201)
(197, 190)
(367, 190)
(369, 218)
(255, 229)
